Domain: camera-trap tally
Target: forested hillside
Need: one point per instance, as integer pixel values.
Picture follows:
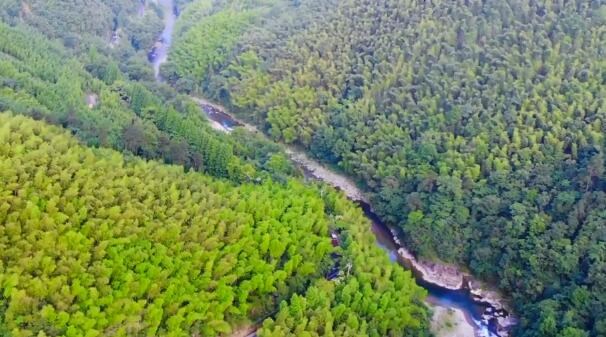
(96, 244)
(128, 25)
(476, 125)
(122, 31)
(98, 103)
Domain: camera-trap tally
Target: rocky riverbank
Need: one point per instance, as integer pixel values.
(320, 172)
(451, 277)
(437, 274)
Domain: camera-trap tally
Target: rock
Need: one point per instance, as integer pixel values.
(445, 276)
(447, 322)
(491, 297)
(507, 322)
(320, 172)
(92, 100)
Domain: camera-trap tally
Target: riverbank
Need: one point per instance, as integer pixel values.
(488, 309)
(492, 315)
(497, 312)
(159, 53)
(449, 322)
(311, 167)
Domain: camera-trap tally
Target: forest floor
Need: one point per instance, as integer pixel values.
(245, 331)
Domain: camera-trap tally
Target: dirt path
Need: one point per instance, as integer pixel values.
(246, 331)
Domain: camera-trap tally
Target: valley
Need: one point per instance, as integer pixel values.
(302, 168)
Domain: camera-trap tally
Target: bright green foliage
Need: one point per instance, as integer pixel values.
(92, 244)
(207, 33)
(378, 298)
(206, 45)
(477, 125)
(192, 15)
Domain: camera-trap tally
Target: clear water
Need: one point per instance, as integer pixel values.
(439, 296)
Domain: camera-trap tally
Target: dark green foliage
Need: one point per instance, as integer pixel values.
(126, 115)
(78, 23)
(476, 125)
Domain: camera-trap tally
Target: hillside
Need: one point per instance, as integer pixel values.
(102, 106)
(128, 28)
(97, 242)
(476, 125)
(94, 243)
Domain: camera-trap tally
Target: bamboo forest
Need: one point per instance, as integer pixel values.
(303, 168)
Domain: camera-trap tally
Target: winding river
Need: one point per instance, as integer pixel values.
(482, 311)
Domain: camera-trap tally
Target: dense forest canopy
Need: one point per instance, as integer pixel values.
(76, 22)
(476, 125)
(94, 244)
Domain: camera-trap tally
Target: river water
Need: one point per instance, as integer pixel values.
(159, 52)
(437, 296)
(481, 315)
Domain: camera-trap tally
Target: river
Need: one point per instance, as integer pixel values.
(159, 52)
(482, 310)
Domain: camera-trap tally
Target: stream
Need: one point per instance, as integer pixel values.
(482, 311)
(159, 52)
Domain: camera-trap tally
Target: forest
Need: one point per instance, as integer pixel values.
(127, 26)
(94, 243)
(122, 213)
(103, 106)
(475, 125)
